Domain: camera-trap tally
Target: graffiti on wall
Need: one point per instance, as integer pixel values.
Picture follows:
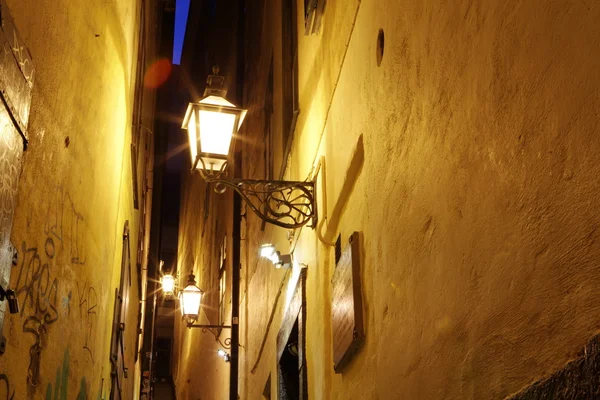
(88, 301)
(35, 327)
(39, 290)
(64, 224)
(38, 295)
(36, 290)
(5, 392)
(66, 304)
(60, 390)
(22, 55)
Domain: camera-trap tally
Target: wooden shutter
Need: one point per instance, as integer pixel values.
(118, 345)
(16, 83)
(290, 77)
(313, 15)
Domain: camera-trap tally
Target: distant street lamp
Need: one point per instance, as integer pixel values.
(190, 301)
(168, 284)
(212, 123)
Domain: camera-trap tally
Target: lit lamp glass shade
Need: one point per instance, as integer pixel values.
(168, 284)
(211, 124)
(190, 300)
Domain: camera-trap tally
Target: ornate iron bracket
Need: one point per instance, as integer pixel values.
(283, 203)
(226, 343)
(289, 204)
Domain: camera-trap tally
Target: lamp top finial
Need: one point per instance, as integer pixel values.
(191, 278)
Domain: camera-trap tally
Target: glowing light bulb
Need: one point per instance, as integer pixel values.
(168, 284)
(267, 250)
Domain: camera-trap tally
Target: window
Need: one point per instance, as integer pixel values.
(17, 90)
(289, 378)
(313, 15)
(118, 345)
(338, 249)
(290, 77)
(267, 389)
(268, 134)
(292, 377)
(138, 102)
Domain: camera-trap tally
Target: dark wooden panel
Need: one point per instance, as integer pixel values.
(289, 79)
(295, 313)
(17, 72)
(18, 49)
(346, 310)
(267, 389)
(291, 314)
(11, 156)
(310, 6)
(117, 348)
(16, 82)
(319, 16)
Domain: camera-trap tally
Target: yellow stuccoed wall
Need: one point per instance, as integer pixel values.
(74, 198)
(468, 161)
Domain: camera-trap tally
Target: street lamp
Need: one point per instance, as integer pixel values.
(190, 299)
(224, 355)
(278, 260)
(212, 123)
(168, 284)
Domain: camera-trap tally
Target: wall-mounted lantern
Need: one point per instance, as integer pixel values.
(224, 355)
(212, 123)
(278, 260)
(168, 284)
(190, 300)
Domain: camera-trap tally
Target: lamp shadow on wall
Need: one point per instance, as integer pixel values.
(351, 176)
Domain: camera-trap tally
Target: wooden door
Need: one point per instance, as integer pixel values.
(16, 83)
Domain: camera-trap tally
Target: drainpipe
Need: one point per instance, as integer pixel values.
(237, 218)
(235, 286)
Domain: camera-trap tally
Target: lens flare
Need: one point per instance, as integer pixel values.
(158, 73)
